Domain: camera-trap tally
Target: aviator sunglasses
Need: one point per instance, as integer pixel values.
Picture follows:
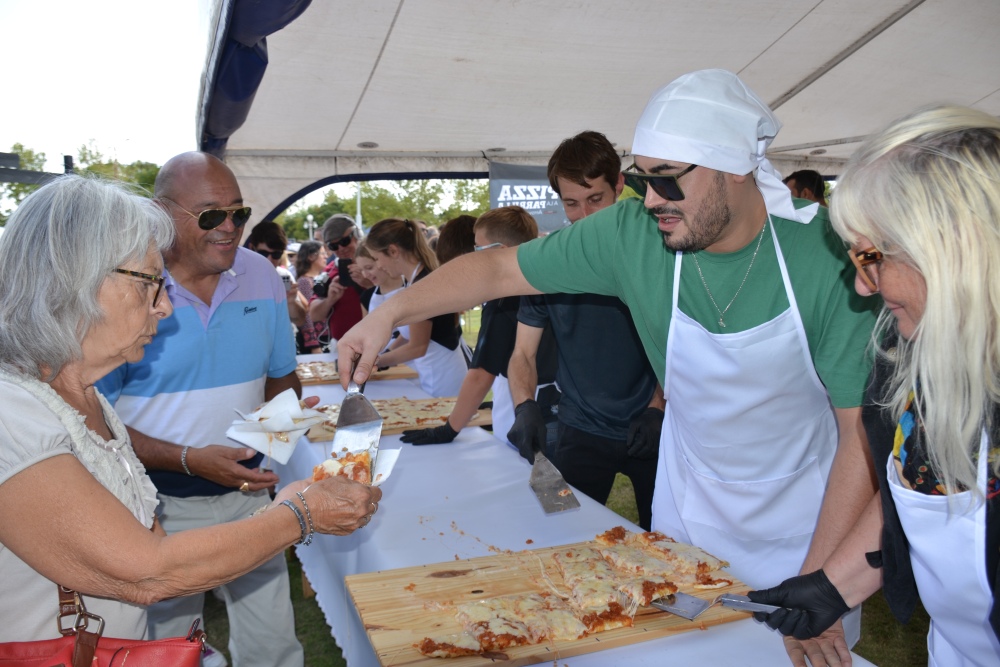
(211, 218)
(665, 186)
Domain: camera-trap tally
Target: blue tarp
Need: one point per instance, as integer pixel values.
(241, 65)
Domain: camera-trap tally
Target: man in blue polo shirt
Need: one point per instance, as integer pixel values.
(228, 345)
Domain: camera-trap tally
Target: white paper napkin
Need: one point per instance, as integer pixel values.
(275, 427)
(384, 464)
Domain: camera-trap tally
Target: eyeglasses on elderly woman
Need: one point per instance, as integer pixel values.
(149, 279)
(210, 218)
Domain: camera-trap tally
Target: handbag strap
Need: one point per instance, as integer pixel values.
(71, 604)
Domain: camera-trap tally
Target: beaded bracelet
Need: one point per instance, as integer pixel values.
(309, 516)
(302, 520)
(184, 461)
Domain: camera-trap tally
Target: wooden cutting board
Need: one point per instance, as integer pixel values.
(400, 607)
(330, 376)
(401, 414)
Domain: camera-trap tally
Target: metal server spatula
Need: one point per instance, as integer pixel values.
(549, 486)
(359, 425)
(690, 607)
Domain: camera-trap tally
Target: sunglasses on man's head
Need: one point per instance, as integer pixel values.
(211, 218)
(665, 186)
(273, 254)
(342, 243)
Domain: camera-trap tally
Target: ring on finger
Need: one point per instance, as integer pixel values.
(245, 488)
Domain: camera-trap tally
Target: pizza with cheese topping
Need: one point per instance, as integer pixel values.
(356, 466)
(606, 585)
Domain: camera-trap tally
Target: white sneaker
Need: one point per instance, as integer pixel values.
(212, 657)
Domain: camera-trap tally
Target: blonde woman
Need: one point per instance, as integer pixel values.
(399, 247)
(919, 205)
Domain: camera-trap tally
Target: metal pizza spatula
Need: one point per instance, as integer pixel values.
(359, 425)
(690, 607)
(549, 486)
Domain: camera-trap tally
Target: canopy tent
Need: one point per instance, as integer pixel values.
(365, 89)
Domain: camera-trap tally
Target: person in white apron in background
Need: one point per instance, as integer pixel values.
(500, 228)
(762, 457)
(433, 346)
(919, 204)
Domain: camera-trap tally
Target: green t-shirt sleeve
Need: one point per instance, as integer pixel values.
(578, 259)
(841, 321)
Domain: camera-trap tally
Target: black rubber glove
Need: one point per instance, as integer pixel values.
(438, 435)
(644, 434)
(528, 433)
(812, 604)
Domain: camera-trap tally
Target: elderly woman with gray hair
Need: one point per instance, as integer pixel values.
(82, 282)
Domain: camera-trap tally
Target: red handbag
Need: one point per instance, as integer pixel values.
(80, 646)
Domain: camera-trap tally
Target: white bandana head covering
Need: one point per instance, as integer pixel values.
(710, 118)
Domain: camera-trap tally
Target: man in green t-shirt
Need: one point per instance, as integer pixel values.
(744, 306)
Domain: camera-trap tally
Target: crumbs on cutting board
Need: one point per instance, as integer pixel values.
(489, 547)
(410, 587)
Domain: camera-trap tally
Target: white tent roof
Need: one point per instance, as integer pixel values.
(440, 85)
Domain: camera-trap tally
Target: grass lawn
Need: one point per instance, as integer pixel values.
(884, 641)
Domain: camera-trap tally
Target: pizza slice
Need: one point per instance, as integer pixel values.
(355, 466)
(644, 577)
(494, 625)
(687, 558)
(590, 579)
(594, 587)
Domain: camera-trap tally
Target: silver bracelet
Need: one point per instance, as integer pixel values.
(309, 517)
(298, 515)
(184, 461)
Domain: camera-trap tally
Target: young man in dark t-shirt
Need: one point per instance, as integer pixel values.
(611, 409)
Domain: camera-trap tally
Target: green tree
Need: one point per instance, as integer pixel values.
(294, 222)
(471, 196)
(92, 161)
(415, 199)
(13, 193)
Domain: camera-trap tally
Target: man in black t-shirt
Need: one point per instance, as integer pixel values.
(611, 409)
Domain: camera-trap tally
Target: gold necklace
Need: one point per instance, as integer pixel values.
(722, 311)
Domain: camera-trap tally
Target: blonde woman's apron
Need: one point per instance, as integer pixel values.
(948, 554)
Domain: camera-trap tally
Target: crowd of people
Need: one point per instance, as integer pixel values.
(809, 393)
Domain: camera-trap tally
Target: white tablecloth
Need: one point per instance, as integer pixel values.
(459, 500)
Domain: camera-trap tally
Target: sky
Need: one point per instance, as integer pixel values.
(124, 74)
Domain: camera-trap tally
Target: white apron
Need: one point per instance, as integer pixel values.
(948, 554)
(441, 370)
(748, 440)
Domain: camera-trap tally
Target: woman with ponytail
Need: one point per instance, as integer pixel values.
(399, 247)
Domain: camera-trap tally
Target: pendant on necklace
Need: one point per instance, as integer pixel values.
(721, 323)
